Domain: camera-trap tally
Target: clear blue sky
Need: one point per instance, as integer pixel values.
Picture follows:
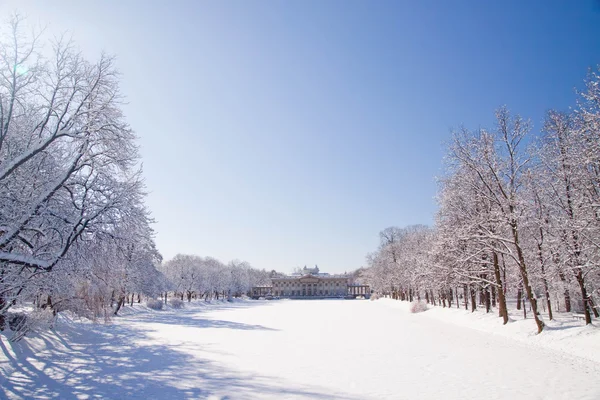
(288, 133)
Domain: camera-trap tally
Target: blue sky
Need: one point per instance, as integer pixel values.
(291, 133)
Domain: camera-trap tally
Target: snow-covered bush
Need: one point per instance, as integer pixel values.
(17, 321)
(374, 296)
(35, 321)
(418, 306)
(155, 304)
(176, 303)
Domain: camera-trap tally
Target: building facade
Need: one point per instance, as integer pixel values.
(310, 283)
(310, 286)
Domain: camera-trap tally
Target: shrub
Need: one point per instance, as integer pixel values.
(176, 303)
(155, 304)
(418, 306)
(17, 321)
(23, 323)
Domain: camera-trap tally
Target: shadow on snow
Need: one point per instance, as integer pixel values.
(101, 361)
(190, 316)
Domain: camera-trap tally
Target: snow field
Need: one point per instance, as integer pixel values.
(318, 349)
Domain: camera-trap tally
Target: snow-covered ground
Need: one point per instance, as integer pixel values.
(564, 333)
(320, 349)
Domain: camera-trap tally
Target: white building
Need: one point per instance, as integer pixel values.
(309, 285)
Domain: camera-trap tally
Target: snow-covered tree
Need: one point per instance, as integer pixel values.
(69, 175)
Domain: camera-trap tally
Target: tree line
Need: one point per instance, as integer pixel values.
(194, 277)
(518, 217)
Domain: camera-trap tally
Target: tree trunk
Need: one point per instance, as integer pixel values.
(544, 280)
(2, 315)
(567, 299)
(548, 301)
(49, 302)
(457, 302)
(584, 296)
(502, 309)
(466, 296)
(120, 304)
(593, 306)
(519, 296)
(525, 276)
(481, 295)
(473, 299)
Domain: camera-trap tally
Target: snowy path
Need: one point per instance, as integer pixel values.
(289, 349)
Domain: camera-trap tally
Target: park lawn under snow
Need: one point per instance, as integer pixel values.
(328, 349)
